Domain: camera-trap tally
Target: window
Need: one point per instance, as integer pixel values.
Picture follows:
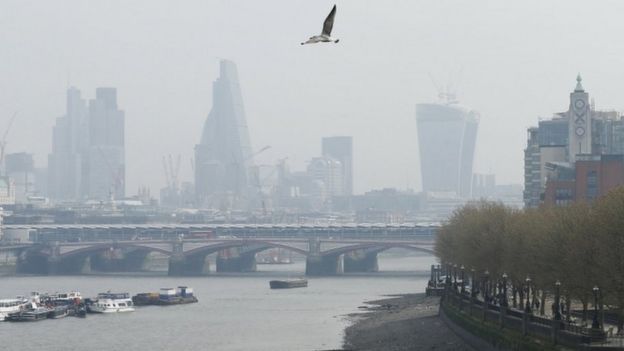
(592, 185)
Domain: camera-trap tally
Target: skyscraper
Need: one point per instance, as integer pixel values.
(87, 158)
(105, 168)
(340, 148)
(223, 157)
(447, 135)
(69, 140)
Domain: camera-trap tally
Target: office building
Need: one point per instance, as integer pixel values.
(340, 148)
(88, 156)
(447, 135)
(20, 167)
(562, 150)
(223, 158)
(69, 142)
(105, 167)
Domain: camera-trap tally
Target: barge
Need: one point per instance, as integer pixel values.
(288, 284)
(166, 297)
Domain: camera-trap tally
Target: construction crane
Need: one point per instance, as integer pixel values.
(3, 143)
(171, 172)
(116, 175)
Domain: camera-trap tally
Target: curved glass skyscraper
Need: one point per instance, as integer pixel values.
(223, 158)
(447, 135)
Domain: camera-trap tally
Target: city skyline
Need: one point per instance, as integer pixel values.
(157, 69)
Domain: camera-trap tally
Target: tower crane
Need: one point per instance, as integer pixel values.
(3, 143)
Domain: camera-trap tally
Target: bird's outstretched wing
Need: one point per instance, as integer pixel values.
(329, 22)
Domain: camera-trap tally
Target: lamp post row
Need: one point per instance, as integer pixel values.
(452, 272)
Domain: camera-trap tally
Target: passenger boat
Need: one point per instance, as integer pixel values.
(8, 306)
(165, 297)
(109, 302)
(288, 284)
(72, 297)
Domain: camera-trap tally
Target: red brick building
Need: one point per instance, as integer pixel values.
(590, 177)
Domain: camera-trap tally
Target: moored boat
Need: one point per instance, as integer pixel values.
(288, 284)
(109, 302)
(31, 315)
(165, 297)
(8, 306)
(59, 312)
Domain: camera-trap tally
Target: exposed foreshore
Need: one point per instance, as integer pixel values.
(401, 322)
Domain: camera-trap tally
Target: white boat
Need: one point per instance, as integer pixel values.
(109, 302)
(8, 306)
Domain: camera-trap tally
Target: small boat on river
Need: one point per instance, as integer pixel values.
(33, 313)
(8, 306)
(288, 284)
(109, 302)
(166, 297)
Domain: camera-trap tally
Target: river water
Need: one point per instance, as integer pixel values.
(235, 312)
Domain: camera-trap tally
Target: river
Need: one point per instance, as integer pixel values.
(235, 312)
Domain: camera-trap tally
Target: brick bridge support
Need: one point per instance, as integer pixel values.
(235, 260)
(183, 265)
(361, 261)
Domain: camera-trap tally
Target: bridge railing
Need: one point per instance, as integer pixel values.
(71, 234)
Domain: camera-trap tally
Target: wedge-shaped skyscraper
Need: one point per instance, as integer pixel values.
(447, 135)
(223, 158)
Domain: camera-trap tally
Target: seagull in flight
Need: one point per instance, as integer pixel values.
(325, 36)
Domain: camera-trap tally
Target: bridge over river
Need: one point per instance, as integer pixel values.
(328, 250)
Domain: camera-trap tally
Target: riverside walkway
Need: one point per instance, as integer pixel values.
(484, 318)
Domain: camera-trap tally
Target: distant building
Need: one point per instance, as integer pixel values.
(575, 155)
(7, 191)
(447, 135)
(223, 158)
(69, 142)
(88, 155)
(341, 148)
(328, 172)
(106, 153)
(20, 167)
(592, 177)
(483, 186)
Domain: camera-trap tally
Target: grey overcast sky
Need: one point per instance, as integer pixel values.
(518, 61)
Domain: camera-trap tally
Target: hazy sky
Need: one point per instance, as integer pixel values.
(518, 61)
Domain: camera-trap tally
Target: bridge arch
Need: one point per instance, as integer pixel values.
(378, 247)
(262, 246)
(108, 246)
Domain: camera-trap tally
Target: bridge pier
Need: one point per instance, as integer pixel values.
(67, 266)
(361, 261)
(118, 260)
(320, 265)
(180, 265)
(232, 260)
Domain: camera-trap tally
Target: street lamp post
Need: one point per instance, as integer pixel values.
(557, 308)
(463, 284)
(486, 281)
(595, 322)
(455, 277)
(527, 306)
(504, 293)
(473, 287)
